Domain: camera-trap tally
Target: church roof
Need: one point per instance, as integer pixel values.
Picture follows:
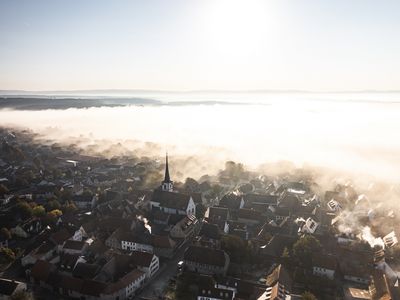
(171, 199)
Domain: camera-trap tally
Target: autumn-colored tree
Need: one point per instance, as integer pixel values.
(6, 255)
(38, 211)
(304, 248)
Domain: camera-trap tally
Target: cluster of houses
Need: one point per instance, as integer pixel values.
(273, 222)
(119, 238)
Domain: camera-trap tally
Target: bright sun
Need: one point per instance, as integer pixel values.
(236, 26)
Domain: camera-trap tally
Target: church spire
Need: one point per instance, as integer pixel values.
(166, 177)
(167, 185)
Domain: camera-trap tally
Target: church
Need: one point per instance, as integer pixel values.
(169, 201)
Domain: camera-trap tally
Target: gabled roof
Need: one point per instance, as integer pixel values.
(60, 236)
(7, 287)
(93, 288)
(206, 256)
(279, 275)
(162, 241)
(216, 213)
(259, 198)
(171, 199)
(74, 245)
(41, 270)
(231, 201)
(68, 260)
(249, 214)
(141, 258)
(85, 270)
(210, 231)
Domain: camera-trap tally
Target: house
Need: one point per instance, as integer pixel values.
(206, 260)
(85, 270)
(208, 289)
(289, 201)
(136, 242)
(279, 285)
(184, 229)
(44, 252)
(216, 214)
(382, 287)
(249, 216)
(232, 201)
(40, 272)
(308, 226)
(219, 216)
(163, 246)
(209, 236)
(80, 234)
(69, 261)
(324, 266)
(60, 237)
(146, 262)
(9, 288)
(256, 200)
(356, 273)
(74, 247)
(119, 281)
(85, 201)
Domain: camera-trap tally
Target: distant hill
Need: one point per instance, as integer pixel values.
(41, 103)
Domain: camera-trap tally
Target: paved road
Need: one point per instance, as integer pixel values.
(158, 284)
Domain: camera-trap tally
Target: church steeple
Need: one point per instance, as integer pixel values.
(167, 185)
(166, 177)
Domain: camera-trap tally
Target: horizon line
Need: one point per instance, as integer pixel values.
(242, 91)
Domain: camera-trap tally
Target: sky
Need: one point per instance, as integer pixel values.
(182, 45)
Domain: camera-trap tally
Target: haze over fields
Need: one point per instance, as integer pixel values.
(356, 133)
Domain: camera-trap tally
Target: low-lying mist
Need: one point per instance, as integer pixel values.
(355, 137)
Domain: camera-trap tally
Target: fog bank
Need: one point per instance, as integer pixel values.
(361, 138)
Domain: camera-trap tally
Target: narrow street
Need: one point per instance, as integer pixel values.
(160, 282)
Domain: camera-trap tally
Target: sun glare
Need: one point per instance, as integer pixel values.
(237, 27)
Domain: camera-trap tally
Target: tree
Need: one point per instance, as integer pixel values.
(69, 207)
(6, 255)
(308, 296)
(38, 211)
(304, 248)
(53, 204)
(246, 188)
(51, 216)
(5, 233)
(191, 185)
(56, 213)
(24, 209)
(235, 247)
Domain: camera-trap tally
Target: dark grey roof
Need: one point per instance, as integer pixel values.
(206, 256)
(7, 287)
(171, 199)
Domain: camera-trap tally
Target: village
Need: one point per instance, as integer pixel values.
(76, 226)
